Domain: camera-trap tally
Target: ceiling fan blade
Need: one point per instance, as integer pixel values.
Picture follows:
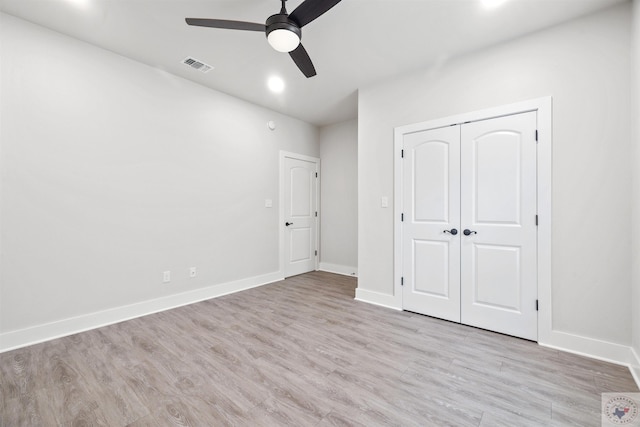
(302, 60)
(229, 25)
(310, 10)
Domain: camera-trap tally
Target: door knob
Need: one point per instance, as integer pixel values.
(453, 231)
(288, 223)
(468, 232)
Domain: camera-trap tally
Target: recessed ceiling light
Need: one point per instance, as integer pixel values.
(276, 84)
(493, 3)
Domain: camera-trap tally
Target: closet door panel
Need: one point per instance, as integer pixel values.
(498, 219)
(431, 206)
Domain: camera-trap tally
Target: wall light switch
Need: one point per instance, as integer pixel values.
(268, 203)
(166, 277)
(192, 272)
(384, 202)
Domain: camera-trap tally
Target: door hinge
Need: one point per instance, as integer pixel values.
(316, 253)
(317, 216)
(536, 305)
(316, 174)
(402, 153)
(536, 135)
(402, 281)
(536, 220)
(402, 217)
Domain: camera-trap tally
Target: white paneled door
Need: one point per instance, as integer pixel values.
(498, 201)
(469, 232)
(300, 215)
(431, 247)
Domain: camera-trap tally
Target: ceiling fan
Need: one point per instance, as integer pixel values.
(283, 30)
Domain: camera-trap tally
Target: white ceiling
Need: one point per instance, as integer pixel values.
(355, 44)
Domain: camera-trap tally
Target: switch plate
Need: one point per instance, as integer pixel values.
(166, 277)
(192, 272)
(384, 202)
(268, 203)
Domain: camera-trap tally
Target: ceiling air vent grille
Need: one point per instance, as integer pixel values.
(197, 65)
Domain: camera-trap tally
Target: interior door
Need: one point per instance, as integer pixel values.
(300, 212)
(498, 218)
(431, 206)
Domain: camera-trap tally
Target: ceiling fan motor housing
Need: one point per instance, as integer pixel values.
(282, 22)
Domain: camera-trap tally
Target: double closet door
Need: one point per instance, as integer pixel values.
(469, 229)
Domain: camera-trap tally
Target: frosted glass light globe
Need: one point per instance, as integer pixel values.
(283, 40)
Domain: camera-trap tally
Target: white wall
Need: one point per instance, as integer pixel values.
(339, 198)
(113, 172)
(585, 66)
(636, 192)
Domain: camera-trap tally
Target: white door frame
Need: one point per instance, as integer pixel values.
(282, 229)
(543, 106)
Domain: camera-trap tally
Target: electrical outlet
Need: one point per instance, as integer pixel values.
(166, 277)
(192, 272)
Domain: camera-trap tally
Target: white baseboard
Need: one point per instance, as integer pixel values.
(40, 333)
(596, 349)
(377, 298)
(589, 347)
(345, 270)
(635, 366)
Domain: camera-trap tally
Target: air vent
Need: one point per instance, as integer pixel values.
(197, 65)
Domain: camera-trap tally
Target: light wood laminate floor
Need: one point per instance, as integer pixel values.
(300, 352)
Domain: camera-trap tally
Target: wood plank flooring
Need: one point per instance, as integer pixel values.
(300, 352)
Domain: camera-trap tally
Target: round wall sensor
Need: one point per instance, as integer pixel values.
(271, 125)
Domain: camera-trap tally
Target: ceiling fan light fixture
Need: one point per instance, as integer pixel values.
(283, 40)
(282, 33)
